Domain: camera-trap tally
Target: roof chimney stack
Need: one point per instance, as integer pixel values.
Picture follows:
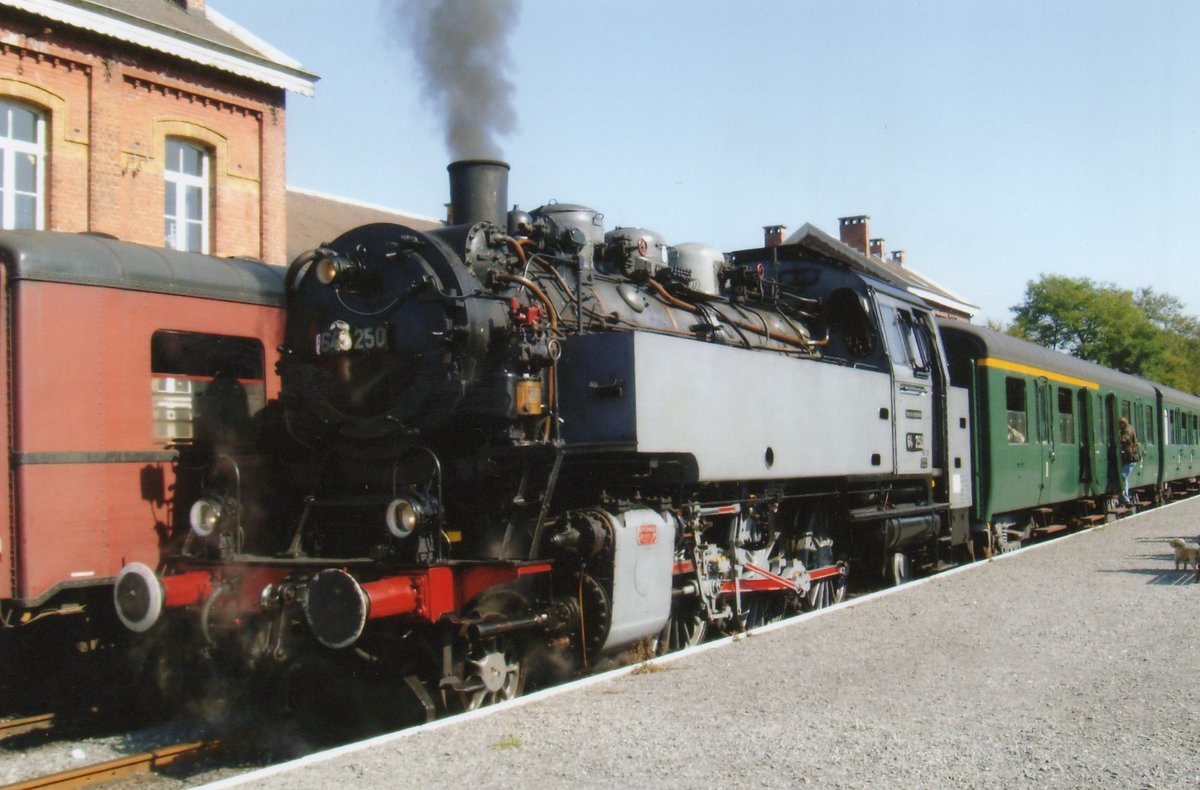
(773, 235)
(194, 7)
(855, 231)
(898, 257)
(877, 248)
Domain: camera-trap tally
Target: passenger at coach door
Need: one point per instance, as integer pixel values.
(1130, 454)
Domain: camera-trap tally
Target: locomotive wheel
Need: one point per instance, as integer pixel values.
(899, 568)
(492, 668)
(686, 627)
(827, 592)
(492, 673)
(763, 608)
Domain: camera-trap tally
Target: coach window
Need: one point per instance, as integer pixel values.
(22, 162)
(186, 196)
(1014, 393)
(205, 388)
(1066, 416)
(1149, 437)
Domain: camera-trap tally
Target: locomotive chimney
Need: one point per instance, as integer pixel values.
(773, 235)
(854, 231)
(478, 191)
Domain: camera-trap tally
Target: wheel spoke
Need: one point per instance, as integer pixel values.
(686, 627)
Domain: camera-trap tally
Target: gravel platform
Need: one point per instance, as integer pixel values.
(1073, 664)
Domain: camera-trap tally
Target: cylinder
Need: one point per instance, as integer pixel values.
(897, 533)
(478, 192)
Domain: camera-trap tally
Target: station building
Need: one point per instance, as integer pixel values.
(156, 121)
(162, 122)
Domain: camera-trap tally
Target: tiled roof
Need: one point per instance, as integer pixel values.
(890, 272)
(314, 219)
(165, 26)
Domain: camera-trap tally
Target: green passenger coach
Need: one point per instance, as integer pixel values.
(1179, 415)
(1045, 449)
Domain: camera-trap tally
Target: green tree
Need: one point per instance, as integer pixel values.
(1098, 322)
(1180, 366)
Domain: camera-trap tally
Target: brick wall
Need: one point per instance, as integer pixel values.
(110, 108)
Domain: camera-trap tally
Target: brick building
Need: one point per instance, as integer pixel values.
(856, 249)
(156, 121)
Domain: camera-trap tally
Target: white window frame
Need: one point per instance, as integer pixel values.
(10, 149)
(174, 179)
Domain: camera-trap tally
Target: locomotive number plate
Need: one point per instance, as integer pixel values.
(341, 338)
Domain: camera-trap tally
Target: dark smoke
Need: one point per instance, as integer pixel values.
(461, 48)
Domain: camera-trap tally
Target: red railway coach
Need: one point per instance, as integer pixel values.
(120, 361)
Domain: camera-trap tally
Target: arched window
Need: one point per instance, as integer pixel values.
(185, 210)
(22, 164)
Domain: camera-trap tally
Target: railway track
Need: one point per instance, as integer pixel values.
(13, 727)
(122, 767)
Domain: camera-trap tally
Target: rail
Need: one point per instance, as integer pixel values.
(120, 767)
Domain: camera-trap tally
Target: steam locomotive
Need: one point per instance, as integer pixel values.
(520, 442)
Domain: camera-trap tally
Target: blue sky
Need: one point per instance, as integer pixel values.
(992, 141)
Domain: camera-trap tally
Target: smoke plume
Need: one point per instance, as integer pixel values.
(461, 49)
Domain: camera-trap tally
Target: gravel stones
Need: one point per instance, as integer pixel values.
(1073, 664)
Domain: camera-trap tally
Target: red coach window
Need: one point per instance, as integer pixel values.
(205, 388)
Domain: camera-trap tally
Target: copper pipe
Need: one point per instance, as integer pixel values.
(762, 331)
(516, 245)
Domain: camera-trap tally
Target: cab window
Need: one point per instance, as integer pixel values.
(907, 345)
(897, 347)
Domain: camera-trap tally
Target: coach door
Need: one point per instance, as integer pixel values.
(1085, 439)
(1046, 435)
